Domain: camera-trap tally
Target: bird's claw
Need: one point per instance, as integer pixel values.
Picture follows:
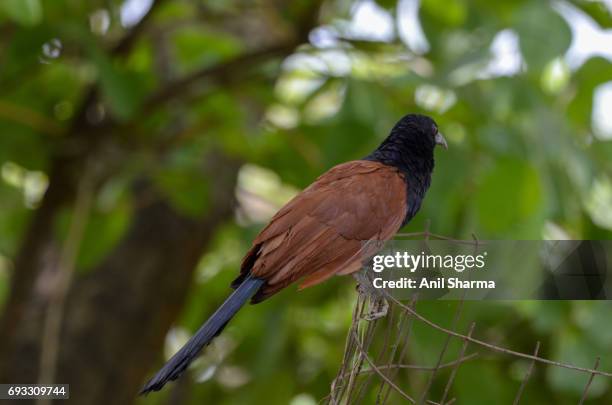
(378, 304)
(380, 308)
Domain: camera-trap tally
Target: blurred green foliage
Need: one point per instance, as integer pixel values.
(524, 162)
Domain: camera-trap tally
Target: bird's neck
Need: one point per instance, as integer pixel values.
(416, 167)
(412, 160)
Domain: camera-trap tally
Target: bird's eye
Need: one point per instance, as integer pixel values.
(434, 129)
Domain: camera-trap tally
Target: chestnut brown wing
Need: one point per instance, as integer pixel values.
(325, 229)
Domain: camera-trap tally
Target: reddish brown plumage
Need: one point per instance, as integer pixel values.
(330, 228)
(324, 230)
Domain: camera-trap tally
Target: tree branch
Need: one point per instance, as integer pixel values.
(126, 44)
(234, 69)
(122, 48)
(229, 71)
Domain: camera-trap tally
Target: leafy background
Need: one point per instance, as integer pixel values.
(170, 139)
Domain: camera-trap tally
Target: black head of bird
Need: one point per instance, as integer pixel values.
(410, 144)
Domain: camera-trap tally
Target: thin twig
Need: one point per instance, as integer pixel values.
(422, 368)
(436, 237)
(338, 391)
(451, 378)
(381, 374)
(494, 347)
(402, 318)
(368, 334)
(443, 352)
(406, 340)
(527, 375)
(381, 354)
(588, 385)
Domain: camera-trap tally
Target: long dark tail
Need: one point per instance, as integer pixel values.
(207, 332)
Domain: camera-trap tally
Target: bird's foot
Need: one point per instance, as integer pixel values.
(378, 305)
(379, 309)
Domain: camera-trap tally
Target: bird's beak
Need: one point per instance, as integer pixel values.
(441, 141)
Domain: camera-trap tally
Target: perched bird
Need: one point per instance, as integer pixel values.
(325, 229)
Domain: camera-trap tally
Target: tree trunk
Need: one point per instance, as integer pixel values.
(117, 315)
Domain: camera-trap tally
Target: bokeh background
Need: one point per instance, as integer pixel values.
(143, 143)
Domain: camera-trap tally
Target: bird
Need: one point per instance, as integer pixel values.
(323, 231)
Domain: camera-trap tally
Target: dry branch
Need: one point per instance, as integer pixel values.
(358, 346)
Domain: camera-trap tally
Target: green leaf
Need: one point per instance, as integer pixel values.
(103, 232)
(196, 46)
(387, 4)
(107, 223)
(122, 89)
(509, 194)
(25, 12)
(597, 10)
(543, 33)
(450, 13)
(594, 72)
(481, 383)
(578, 349)
(186, 189)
